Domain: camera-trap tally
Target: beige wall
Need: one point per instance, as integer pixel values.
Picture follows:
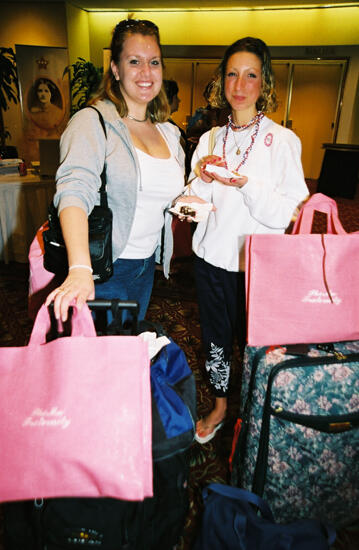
(336, 28)
(289, 27)
(85, 34)
(348, 131)
(78, 33)
(33, 24)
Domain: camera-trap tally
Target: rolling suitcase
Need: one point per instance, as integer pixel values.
(111, 524)
(298, 446)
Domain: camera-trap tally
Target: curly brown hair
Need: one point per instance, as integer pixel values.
(158, 109)
(267, 101)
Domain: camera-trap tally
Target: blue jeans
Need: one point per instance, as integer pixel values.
(131, 280)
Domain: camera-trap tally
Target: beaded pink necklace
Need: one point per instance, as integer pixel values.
(253, 120)
(256, 121)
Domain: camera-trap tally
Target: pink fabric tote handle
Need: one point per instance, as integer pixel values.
(81, 324)
(320, 203)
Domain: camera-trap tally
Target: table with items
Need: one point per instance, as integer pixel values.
(24, 202)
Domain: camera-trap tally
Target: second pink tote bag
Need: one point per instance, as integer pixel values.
(303, 287)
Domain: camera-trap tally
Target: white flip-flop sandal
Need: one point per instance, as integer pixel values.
(210, 436)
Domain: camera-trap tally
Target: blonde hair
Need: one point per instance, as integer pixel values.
(158, 109)
(267, 101)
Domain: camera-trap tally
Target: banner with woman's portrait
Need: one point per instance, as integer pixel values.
(44, 93)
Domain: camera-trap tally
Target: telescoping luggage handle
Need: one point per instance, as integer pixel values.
(118, 326)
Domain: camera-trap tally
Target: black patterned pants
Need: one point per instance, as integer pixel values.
(221, 300)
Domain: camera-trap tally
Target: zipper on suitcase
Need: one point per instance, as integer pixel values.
(238, 455)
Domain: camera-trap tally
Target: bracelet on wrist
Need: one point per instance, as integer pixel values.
(82, 266)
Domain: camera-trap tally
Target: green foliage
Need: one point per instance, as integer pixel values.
(85, 79)
(9, 87)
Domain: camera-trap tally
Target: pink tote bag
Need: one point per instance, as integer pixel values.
(75, 418)
(41, 282)
(303, 287)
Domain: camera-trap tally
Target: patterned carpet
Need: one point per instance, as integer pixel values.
(174, 305)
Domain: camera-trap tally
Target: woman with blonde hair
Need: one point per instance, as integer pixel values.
(144, 168)
(259, 194)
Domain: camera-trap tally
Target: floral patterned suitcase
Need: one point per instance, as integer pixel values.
(299, 443)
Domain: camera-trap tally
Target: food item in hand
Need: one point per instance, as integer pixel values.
(221, 171)
(187, 211)
(193, 210)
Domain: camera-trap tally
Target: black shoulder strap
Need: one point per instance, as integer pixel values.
(102, 191)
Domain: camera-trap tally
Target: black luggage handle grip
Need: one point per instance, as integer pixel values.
(101, 306)
(101, 303)
(116, 306)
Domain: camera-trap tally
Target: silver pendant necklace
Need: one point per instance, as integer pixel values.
(137, 119)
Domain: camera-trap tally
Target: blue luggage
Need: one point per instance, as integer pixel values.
(236, 519)
(299, 443)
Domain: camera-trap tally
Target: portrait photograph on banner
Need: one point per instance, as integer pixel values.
(44, 94)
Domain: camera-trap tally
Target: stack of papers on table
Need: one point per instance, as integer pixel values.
(9, 166)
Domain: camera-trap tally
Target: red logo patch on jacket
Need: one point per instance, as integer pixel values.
(268, 139)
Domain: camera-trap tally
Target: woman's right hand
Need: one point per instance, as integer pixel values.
(207, 177)
(78, 286)
(192, 199)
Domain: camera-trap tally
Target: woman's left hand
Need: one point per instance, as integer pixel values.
(238, 181)
(234, 181)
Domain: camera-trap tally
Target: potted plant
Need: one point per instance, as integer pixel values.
(9, 90)
(84, 81)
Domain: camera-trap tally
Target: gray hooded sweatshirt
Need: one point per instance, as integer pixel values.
(83, 151)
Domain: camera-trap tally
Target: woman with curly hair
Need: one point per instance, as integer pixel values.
(264, 188)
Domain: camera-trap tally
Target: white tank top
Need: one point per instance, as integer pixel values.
(162, 180)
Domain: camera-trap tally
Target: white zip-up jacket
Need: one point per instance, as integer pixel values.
(265, 204)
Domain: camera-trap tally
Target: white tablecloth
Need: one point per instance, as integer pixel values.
(23, 209)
